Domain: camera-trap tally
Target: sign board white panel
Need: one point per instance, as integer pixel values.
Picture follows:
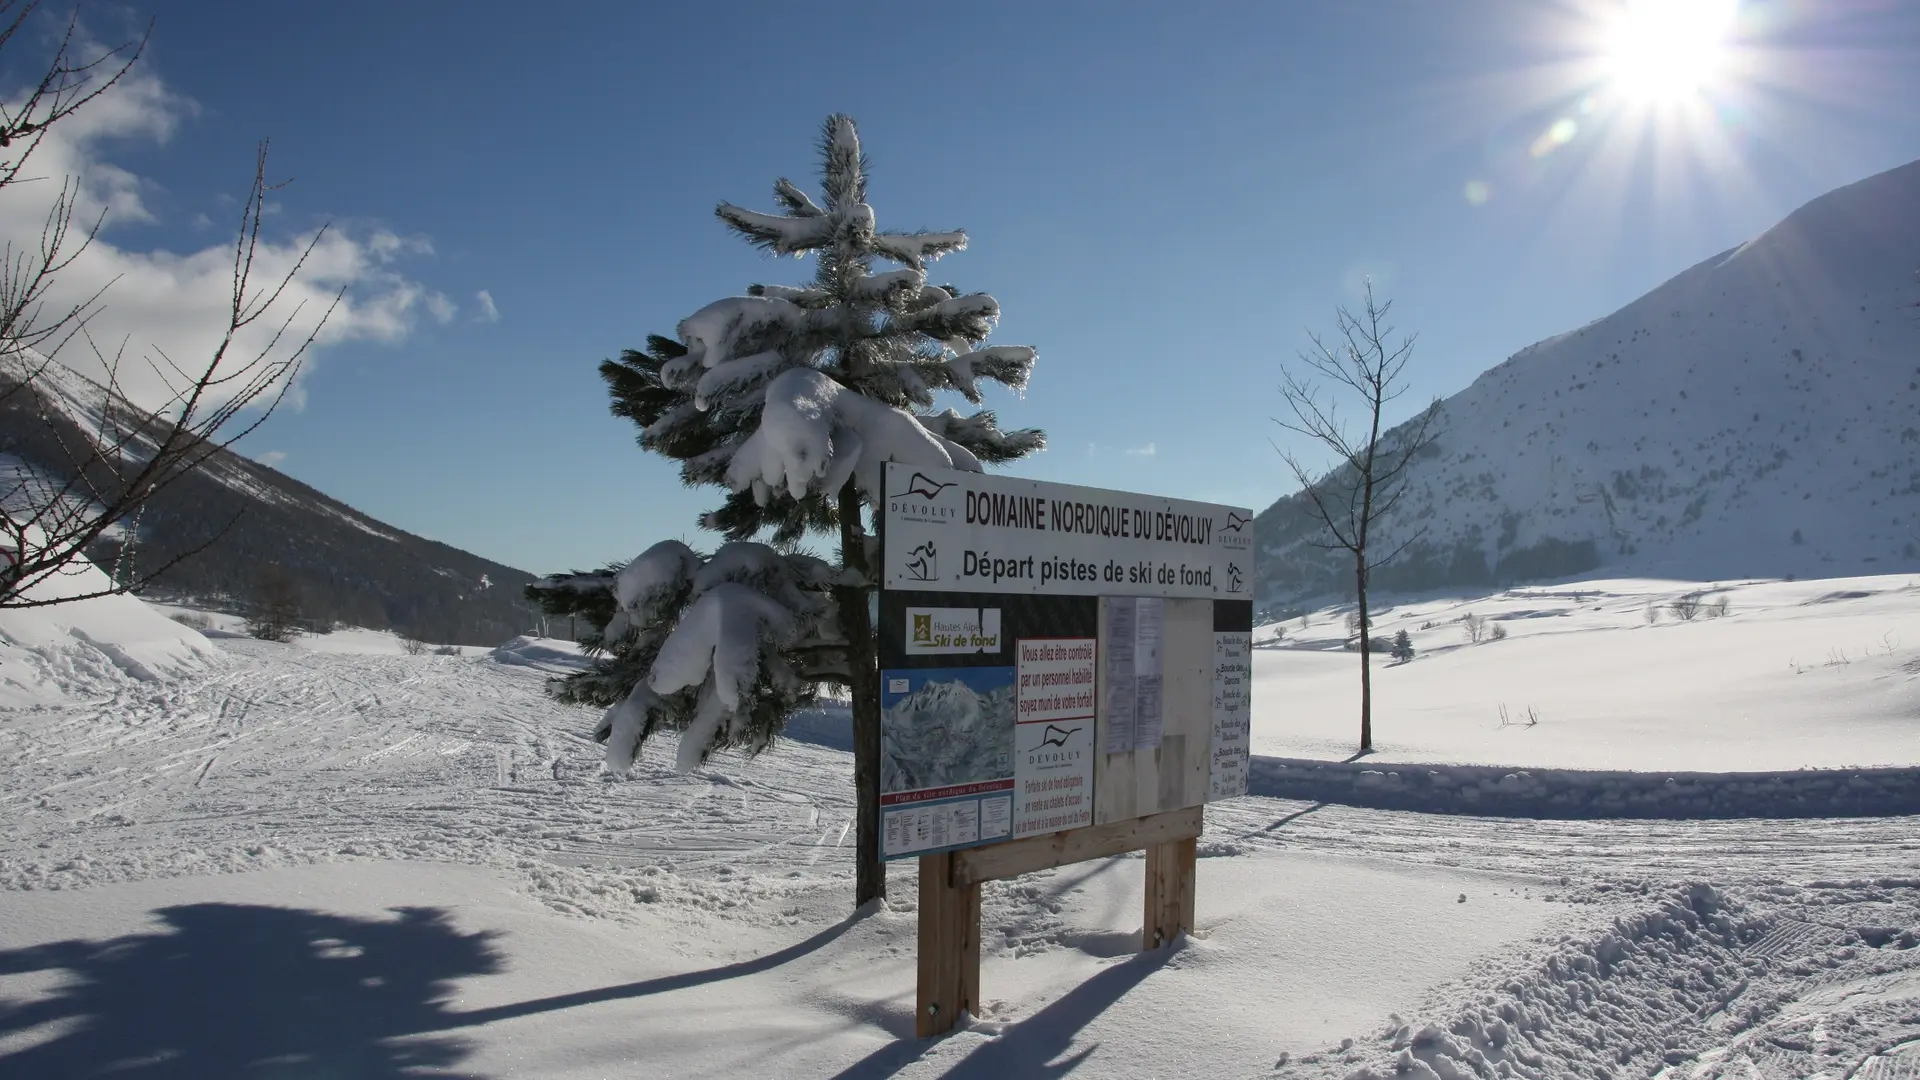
(950, 531)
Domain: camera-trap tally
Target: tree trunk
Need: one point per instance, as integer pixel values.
(870, 873)
(1366, 663)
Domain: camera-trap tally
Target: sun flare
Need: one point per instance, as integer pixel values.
(1667, 50)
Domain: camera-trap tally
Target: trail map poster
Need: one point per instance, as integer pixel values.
(946, 758)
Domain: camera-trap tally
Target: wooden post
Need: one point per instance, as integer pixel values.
(949, 962)
(1169, 906)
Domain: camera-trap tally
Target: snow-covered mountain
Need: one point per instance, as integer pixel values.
(348, 567)
(1757, 415)
(946, 732)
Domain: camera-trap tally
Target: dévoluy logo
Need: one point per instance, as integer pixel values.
(919, 484)
(1054, 735)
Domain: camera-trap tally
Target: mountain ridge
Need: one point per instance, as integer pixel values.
(348, 567)
(1755, 415)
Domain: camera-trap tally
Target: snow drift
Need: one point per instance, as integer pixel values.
(49, 654)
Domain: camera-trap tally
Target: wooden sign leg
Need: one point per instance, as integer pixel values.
(949, 975)
(1169, 903)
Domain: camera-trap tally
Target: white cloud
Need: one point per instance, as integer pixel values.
(176, 303)
(271, 459)
(1142, 451)
(488, 312)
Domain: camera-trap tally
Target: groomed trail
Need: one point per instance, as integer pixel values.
(287, 755)
(279, 758)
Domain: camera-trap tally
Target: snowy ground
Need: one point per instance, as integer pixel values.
(300, 861)
(1809, 674)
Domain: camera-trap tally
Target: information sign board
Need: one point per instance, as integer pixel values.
(1023, 633)
(950, 531)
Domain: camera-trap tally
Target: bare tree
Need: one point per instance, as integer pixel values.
(111, 460)
(67, 83)
(1366, 482)
(277, 607)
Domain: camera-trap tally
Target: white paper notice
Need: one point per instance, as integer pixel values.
(1232, 715)
(994, 815)
(1120, 679)
(1149, 628)
(1053, 741)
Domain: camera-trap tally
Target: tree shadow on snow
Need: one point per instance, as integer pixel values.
(238, 990)
(1027, 1050)
(1293, 817)
(659, 985)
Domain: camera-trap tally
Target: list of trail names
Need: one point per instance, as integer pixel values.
(1232, 715)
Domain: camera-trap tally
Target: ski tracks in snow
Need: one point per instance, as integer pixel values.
(309, 753)
(296, 756)
(290, 756)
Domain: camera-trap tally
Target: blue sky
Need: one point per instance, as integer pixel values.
(1164, 198)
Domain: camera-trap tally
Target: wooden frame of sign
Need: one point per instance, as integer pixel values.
(949, 975)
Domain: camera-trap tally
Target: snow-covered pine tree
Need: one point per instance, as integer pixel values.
(792, 399)
(1403, 646)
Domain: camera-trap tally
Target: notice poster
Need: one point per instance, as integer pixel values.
(1232, 715)
(1135, 633)
(946, 758)
(1149, 632)
(1120, 678)
(1053, 738)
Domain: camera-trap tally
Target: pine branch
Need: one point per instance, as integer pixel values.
(780, 235)
(795, 200)
(918, 249)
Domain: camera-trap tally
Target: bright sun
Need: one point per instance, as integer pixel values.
(1667, 50)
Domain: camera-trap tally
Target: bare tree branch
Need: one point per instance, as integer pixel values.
(1365, 486)
(66, 85)
(127, 454)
